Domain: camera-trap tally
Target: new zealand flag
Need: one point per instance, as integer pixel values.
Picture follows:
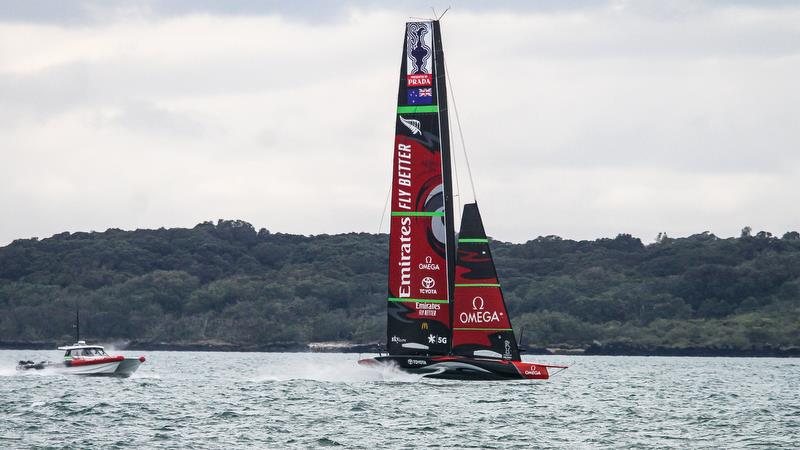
(420, 96)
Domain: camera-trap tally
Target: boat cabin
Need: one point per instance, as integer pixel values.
(81, 350)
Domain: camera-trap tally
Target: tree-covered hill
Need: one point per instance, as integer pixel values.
(229, 283)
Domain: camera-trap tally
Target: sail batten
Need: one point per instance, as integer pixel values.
(418, 213)
(417, 109)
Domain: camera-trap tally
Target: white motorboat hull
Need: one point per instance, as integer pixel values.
(106, 368)
(128, 366)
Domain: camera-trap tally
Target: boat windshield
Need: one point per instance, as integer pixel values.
(85, 352)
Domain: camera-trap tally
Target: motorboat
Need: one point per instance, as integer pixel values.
(84, 359)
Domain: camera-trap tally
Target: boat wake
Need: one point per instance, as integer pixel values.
(338, 372)
(145, 376)
(13, 372)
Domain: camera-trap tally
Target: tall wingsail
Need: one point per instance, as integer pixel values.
(421, 236)
(481, 327)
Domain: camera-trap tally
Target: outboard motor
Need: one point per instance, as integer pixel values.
(25, 365)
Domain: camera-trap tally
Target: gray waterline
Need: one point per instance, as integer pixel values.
(279, 400)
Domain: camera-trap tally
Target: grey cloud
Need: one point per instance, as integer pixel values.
(591, 119)
(44, 93)
(83, 11)
(146, 117)
(95, 11)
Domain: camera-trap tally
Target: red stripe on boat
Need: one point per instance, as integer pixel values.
(89, 362)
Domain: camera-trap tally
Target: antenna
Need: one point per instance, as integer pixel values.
(77, 322)
(435, 16)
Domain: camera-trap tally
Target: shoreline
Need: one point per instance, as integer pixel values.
(347, 347)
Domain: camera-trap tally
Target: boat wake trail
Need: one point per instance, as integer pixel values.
(28, 373)
(337, 372)
(145, 376)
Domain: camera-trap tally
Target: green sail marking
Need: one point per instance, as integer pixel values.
(417, 300)
(417, 109)
(482, 329)
(477, 240)
(478, 285)
(419, 213)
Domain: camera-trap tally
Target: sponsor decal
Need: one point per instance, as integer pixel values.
(417, 362)
(420, 96)
(507, 352)
(398, 340)
(413, 125)
(404, 290)
(428, 309)
(428, 284)
(403, 176)
(478, 315)
(434, 339)
(419, 79)
(418, 48)
(404, 203)
(532, 370)
(428, 264)
(424, 325)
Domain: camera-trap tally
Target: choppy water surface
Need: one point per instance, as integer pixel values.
(279, 400)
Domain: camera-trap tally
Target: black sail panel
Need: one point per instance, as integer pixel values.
(481, 326)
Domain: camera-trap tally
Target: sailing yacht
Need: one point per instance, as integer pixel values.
(446, 314)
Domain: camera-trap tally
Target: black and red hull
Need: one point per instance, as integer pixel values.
(464, 368)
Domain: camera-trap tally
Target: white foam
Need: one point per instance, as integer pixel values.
(336, 371)
(47, 371)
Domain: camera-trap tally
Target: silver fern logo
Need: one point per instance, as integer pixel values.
(412, 124)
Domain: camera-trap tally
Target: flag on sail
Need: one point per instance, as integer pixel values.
(420, 96)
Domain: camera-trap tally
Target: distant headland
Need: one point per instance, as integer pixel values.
(227, 286)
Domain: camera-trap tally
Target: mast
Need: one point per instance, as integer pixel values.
(77, 322)
(447, 177)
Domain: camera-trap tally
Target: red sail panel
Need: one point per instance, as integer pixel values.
(418, 306)
(481, 326)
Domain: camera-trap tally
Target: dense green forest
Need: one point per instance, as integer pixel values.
(227, 282)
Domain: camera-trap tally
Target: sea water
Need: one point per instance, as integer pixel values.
(310, 400)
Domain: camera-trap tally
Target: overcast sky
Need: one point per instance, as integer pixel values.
(582, 120)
